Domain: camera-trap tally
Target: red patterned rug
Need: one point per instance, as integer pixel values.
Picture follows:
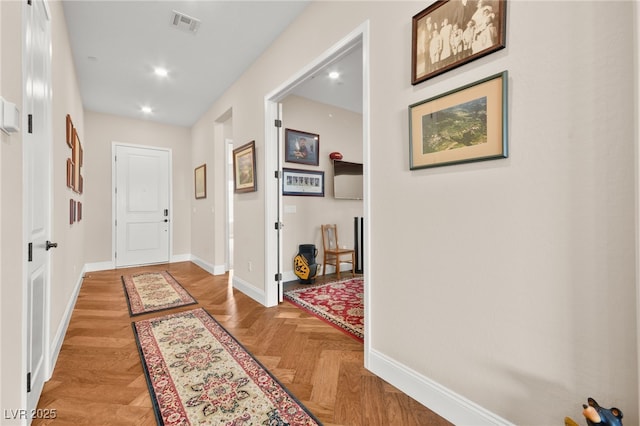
(340, 303)
(154, 291)
(198, 374)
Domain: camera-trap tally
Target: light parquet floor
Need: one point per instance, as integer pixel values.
(98, 378)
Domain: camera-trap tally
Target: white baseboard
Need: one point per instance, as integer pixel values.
(254, 293)
(212, 269)
(180, 258)
(99, 266)
(56, 344)
(446, 403)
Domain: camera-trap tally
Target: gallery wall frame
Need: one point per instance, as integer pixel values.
(244, 168)
(303, 182)
(450, 33)
(463, 125)
(301, 147)
(200, 181)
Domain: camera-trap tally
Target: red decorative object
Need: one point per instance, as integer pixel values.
(335, 155)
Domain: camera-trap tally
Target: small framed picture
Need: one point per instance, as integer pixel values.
(200, 176)
(302, 182)
(69, 132)
(463, 125)
(301, 147)
(451, 33)
(244, 168)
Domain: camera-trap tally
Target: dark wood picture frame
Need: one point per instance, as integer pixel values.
(302, 182)
(473, 29)
(69, 126)
(200, 181)
(463, 125)
(301, 147)
(244, 168)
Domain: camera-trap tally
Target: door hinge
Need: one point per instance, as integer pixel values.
(28, 382)
(277, 123)
(30, 123)
(278, 277)
(29, 2)
(279, 225)
(277, 174)
(30, 251)
(115, 255)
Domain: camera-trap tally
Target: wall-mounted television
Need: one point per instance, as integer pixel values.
(347, 180)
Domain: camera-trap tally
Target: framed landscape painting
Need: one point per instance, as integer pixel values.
(244, 168)
(451, 33)
(463, 125)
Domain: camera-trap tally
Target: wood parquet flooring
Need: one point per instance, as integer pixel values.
(98, 378)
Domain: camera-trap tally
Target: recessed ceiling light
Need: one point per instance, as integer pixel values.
(146, 109)
(161, 72)
(334, 75)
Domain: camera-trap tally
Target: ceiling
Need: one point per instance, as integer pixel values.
(117, 44)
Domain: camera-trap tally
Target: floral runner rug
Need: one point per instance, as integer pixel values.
(339, 303)
(198, 374)
(154, 291)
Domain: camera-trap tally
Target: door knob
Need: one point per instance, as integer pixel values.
(50, 245)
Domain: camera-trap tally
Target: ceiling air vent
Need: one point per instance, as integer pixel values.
(184, 22)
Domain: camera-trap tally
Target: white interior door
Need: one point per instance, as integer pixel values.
(142, 205)
(37, 187)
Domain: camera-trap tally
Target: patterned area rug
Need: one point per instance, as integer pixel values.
(198, 374)
(154, 291)
(340, 303)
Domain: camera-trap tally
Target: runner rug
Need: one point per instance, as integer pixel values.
(198, 374)
(154, 291)
(340, 303)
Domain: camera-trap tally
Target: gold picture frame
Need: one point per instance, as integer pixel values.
(463, 125)
(200, 181)
(244, 168)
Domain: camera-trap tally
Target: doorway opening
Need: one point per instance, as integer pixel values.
(274, 133)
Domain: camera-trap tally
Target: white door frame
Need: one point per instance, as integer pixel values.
(114, 213)
(228, 177)
(273, 208)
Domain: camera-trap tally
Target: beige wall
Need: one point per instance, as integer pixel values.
(101, 130)
(68, 258)
(509, 282)
(339, 130)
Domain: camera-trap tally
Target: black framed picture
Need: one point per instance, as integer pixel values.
(302, 182)
(301, 147)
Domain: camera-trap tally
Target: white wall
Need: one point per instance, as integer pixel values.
(101, 130)
(511, 282)
(339, 130)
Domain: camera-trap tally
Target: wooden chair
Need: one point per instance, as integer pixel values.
(332, 253)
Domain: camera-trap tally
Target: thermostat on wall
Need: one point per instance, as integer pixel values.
(9, 116)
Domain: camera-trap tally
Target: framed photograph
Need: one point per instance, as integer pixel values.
(450, 33)
(200, 175)
(302, 182)
(69, 131)
(463, 125)
(72, 211)
(70, 168)
(301, 147)
(79, 214)
(77, 155)
(244, 168)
